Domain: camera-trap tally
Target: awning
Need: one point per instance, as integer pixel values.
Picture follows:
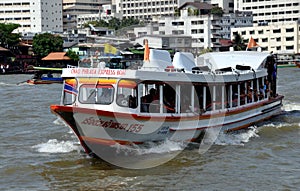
(57, 56)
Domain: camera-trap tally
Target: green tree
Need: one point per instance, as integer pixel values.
(238, 42)
(45, 43)
(7, 38)
(73, 55)
(114, 23)
(217, 11)
(125, 22)
(176, 12)
(100, 23)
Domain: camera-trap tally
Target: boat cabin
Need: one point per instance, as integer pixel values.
(180, 87)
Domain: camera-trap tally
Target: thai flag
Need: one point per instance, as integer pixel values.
(70, 89)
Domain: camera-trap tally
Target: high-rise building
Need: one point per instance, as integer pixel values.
(147, 10)
(275, 24)
(226, 5)
(270, 11)
(73, 8)
(32, 15)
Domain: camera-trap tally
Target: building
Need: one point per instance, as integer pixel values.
(280, 38)
(269, 12)
(203, 28)
(226, 5)
(73, 8)
(237, 19)
(148, 10)
(275, 24)
(195, 20)
(175, 42)
(105, 15)
(33, 15)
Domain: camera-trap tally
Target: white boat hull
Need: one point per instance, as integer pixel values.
(106, 128)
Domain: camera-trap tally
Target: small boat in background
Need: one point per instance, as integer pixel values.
(44, 75)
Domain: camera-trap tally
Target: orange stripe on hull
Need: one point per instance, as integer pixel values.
(107, 141)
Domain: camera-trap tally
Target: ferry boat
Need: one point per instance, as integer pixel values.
(168, 99)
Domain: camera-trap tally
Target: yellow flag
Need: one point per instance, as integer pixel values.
(109, 49)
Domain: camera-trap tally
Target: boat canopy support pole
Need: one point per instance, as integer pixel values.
(204, 97)
(245, 93)
(192, 98)
(178, 98)
(239, 95)
(223, 97)
(161, 99)
(230, 96)
(252, 84)
(257, 88)
(263, 84)
(214, 98)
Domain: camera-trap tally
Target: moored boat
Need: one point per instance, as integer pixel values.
(175, 99)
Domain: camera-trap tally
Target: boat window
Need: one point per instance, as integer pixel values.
(243, 93)
(100, 94)
(235, 95)
(218, 97)
(150, 101)
(198, 97)
(127, 93)
(169, 98)
(185, 98)
(70, 91)
(208, 97)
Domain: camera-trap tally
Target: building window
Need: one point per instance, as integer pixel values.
(290, 47)
(289, 30)
(289, 38)
(276, 31)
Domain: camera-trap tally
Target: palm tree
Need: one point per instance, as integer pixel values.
(238, 42)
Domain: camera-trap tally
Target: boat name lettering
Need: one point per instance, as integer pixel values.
(164, 130)
(96, 71)
(135, 128)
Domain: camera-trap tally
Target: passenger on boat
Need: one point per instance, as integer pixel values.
(255, 94)
(243, 96)
(235, 98)
(120, 100)
(266, 88)
(249, 94)
(148, 99)
(169, 104)
(261, 92)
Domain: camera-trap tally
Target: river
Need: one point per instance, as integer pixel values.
(39, 152)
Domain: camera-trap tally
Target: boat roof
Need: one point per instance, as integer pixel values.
(161, 67)
(219, 60)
